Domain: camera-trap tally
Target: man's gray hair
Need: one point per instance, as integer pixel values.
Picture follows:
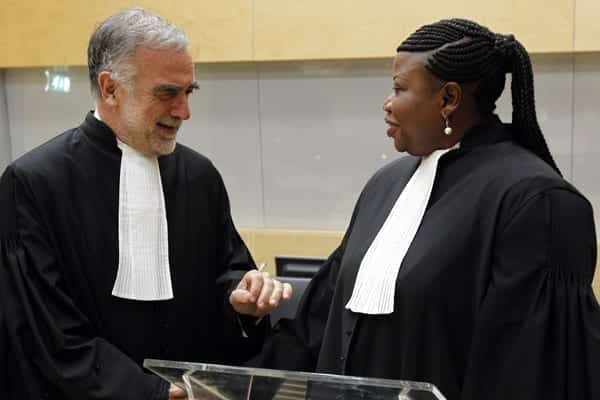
(113, 44)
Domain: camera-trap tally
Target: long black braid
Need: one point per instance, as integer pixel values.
(464, 51)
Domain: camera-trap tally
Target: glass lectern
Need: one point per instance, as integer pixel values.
(220, 382)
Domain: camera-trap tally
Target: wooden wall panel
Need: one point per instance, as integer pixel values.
(34, 33)
(265, 244)
(48, 33)
(313, 29)
(587, 25)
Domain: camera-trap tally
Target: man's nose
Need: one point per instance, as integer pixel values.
(181, 109)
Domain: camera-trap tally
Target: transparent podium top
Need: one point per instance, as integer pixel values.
(221, 382)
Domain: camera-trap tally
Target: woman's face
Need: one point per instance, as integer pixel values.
(413, 109)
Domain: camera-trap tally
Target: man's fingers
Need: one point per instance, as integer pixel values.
(243, 284)
(266, 291)
(277, 293)
(256, 282)
(262, 296)
(239, 296)
(287, 291)
(282, 292)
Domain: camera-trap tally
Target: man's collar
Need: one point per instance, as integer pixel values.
(99, 133)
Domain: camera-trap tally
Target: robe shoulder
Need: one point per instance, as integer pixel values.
(197, 164)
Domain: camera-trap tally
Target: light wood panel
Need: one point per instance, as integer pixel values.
(35, 33)
(45, 33)
(587, 25)
(315, 29)
(265, 244)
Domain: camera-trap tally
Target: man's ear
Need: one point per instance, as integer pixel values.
(451, 98)
(107, 88)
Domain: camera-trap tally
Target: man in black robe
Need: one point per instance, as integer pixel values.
(79, 311)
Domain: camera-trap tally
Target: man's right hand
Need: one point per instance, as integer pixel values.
(258, 294)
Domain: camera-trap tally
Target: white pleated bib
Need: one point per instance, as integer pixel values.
(143, 272)
(375, 285)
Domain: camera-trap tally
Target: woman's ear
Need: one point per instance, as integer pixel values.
(451, 98)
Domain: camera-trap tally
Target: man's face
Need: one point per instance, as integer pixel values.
(153, 107)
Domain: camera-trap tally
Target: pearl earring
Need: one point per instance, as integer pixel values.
(447, 129)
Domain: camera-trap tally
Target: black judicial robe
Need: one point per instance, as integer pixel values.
(64, 336)
(493, 299)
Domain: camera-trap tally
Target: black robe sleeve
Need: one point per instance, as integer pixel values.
(48, 337)
(538, 331)
(244, 335)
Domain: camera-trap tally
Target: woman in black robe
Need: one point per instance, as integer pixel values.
(493, 297)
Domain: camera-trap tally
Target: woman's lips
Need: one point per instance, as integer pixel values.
(392, 128)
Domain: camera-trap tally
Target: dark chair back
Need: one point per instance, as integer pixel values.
(288, 309)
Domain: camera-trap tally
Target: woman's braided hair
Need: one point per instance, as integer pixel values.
(464, 51)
